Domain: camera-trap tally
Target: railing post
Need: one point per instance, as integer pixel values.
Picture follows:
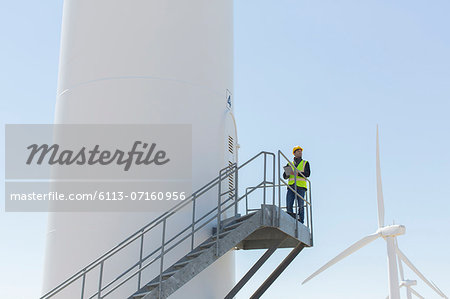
(311, 217)
(296, 211)
(140, 258)
(265, 177)
(246, 201)
(279, 188)
(296, 201)
(161, 267)
(306, 208)
(273, 187)
(100, 281)
(264, 192)
(193, 222)
(83, 283)
(236, 197)
(219, 210)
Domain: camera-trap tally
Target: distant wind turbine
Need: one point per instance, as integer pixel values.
(409, 283)
(406, 282)
(389, 233)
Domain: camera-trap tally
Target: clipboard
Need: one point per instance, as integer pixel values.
(288, 170)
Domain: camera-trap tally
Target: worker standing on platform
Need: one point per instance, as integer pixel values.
(302, 171)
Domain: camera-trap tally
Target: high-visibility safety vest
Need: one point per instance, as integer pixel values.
(301, 182)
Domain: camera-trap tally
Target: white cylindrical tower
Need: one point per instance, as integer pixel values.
(144, 62)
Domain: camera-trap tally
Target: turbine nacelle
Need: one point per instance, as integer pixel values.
(392, 230)
(408, 283)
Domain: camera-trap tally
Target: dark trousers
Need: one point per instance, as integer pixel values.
(290, 197)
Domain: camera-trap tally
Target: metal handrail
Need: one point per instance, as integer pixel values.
(128, 240)
(294, 190)
(278, 185)
(135, 236)
(229, 170)
(164, 251)
(195, 226)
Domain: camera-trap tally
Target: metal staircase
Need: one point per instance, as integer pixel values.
(266, 227)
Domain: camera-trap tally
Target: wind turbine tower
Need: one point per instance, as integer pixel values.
(145, 62)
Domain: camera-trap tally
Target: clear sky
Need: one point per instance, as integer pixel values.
(320, 74)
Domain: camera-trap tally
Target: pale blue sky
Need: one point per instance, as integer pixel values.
(337, 68)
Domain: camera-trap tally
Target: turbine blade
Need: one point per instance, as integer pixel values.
(359, 244)
(415, 293)
(412, 267)
(379, 188)
(442, 293)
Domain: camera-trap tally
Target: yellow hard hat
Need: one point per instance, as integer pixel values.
(298, 147)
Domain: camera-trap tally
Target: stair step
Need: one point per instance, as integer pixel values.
(232, 226)
(152, 285)
(196, 253)
(140, 295)
(213, 239)
(221, 234)
(181, 264)
(228, 227)
(245, 217)
(168, 274)
(230, 220)
(207, 245)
